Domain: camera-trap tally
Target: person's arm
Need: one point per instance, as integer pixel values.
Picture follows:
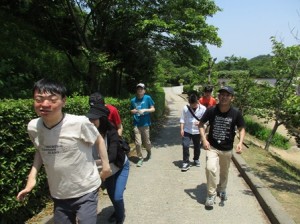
(31, 181)
(205, 143)
(106, 171)
(150, 110)
(181, 129)
(120, 129)
(239, 146)
(116, 119)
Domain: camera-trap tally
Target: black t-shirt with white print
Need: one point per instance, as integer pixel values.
(222, 126)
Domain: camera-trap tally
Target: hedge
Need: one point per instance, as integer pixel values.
(16, 152)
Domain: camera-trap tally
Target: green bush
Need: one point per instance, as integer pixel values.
(263, 133)
(16, 159)
(16, 155)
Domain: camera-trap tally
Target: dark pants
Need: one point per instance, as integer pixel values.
(186, 141)
(82, 209)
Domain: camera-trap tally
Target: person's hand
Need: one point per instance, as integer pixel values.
(142, 111)
(238, 149)
(22, 194)
(105, 173)
(206, 144)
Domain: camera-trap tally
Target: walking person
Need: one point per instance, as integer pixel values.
(189, 130)
(119, 163)
(114, 116)
(64, 145)
(141, 106)
(207, 99)
(223, 119)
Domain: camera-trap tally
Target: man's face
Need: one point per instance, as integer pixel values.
(194, 105)
(48, 105)
(207, 94)
(140, 91)
(225, 98)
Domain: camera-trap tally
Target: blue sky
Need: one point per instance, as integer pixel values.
(245, 26)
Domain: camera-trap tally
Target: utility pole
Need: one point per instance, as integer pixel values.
(211, 63)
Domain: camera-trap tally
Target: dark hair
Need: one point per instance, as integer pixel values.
(104, 126)
(96, 98)
(208, 89)
(193, 98)
(50, 86)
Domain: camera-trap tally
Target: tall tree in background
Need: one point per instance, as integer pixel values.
(280, 103)
(119, 39)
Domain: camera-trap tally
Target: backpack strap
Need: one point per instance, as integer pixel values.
(192, 112)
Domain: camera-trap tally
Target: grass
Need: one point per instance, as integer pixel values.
(262, 133)
(282, 179)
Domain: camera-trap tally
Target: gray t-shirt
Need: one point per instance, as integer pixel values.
(66, 151)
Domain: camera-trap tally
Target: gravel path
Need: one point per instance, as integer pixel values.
(158, 192)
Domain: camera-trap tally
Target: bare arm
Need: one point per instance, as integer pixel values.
(205, 143)
(150, 110)
(106, 171)
(239, 146)
(31, 181)
(120, 129)
(181, 129)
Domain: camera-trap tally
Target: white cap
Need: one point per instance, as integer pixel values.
(140, 85)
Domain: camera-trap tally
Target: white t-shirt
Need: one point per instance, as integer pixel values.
(191, 124)
(66, 151)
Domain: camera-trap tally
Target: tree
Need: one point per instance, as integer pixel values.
(233, 63)
(245, 91)
(117, 41)
(280, 102)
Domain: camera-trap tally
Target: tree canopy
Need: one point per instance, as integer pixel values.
(115, 41)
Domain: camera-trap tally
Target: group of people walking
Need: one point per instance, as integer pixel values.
(80, 153)
(212, 126)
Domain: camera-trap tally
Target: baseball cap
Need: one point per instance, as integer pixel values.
(227, 89)
(142, 85)
(96, 98)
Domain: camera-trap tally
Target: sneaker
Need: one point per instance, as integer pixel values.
(185, 167)
(222, 195)
(197, 163)
(210, 200)
(140, 163)
(148, 155)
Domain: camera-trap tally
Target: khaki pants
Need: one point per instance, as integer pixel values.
(142, 137)
(213, 157)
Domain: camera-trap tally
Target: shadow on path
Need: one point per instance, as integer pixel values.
(170, 134)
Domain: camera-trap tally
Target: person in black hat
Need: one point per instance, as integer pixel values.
(114, 117)
(118, 161)
(223, 119)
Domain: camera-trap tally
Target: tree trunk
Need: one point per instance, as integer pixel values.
(92, 84)
(270, 138)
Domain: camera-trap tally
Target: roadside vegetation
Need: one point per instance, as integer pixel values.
(278, 175)
(110, 47)
(260, 132)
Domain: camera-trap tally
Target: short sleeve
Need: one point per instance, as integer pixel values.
(89, 132)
